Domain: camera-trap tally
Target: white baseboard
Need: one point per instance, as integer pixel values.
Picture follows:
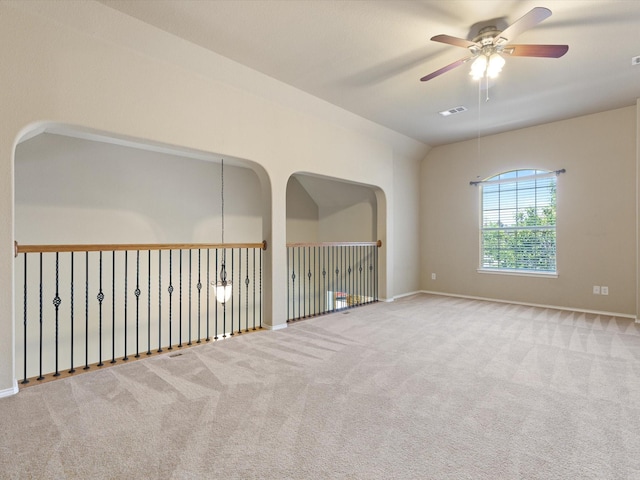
(555, 307)
(402, 295)
(280, 326)
(7, 392)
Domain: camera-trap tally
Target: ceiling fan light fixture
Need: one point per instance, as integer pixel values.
(478, 67)
(496, 62)
(487, 64)
(486, 48)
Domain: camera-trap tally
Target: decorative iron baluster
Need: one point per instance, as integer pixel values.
(254, 289)
(325, 285)
(86, 311)
(343, 278)
(300, 280)
(199, 286)
(338, 281)
(170, 290)
(137, 293)
(350, 295)
(289, 249)
(180, 316)
(239, 291)
(56, 303)
(246, 292)
(40, 377)
(216, 313)
(149, 307)
(315, 289)
(25, 380)
(371, 271)
(72, 369)
(232, 295)
(330, 277)
(367, 283)
(208, 290)
(113, 307)
(100, 299)
(126, 276)
(159, 301)
(375, 259)
(366, 274)
(360, 294)
(224, 305)
(304, 282)
(261, 299)
(189, 343)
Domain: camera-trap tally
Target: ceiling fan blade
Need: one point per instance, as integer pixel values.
(449, 40)
(549, 51)
(529, 20)
(445, 69)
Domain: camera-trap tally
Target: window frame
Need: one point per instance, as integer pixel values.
(512, 177)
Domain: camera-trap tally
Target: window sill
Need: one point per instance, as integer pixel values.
(518, 273)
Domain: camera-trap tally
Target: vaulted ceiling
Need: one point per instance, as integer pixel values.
(367, 56)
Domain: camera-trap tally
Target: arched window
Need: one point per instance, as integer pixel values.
(518, 232)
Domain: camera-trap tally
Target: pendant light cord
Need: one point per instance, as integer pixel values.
(223, 270)
(222, 195)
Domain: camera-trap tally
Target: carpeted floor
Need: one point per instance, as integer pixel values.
(427, 387)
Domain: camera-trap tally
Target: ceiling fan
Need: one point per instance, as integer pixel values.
(487, 48)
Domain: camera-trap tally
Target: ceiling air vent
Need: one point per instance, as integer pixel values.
(453, 111)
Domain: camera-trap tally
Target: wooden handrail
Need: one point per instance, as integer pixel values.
(131, 247)
(336, 244)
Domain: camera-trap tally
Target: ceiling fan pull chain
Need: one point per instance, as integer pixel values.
(486, 78)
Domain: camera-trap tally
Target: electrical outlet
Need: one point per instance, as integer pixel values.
(433, 276)
(635, 60)
(604, 290)
(596, 290)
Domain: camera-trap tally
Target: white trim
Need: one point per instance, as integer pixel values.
(402, 295)
(526, 178)
(7, 392)
(518, 273)
(555, 307)
(280, 326)
(387, 300)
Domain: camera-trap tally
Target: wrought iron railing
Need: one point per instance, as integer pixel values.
(330, 276)
(83, 305)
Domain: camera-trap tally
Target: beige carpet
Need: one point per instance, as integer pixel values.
(425, 387)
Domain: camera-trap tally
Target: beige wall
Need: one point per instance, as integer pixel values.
(70, 190)
(302, 214)
(596, 201)
(406, 218)
(351, 223)
(86, 66)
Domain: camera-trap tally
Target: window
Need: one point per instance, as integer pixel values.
(519, 222)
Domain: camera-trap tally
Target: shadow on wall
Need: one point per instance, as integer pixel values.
(330, 210)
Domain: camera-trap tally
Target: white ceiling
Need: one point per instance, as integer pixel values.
(367, 56)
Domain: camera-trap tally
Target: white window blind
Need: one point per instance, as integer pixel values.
(519, 222)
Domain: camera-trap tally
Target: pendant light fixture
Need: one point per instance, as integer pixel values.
(222, 288)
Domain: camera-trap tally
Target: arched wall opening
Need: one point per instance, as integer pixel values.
(74, 190)
(333, 253)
